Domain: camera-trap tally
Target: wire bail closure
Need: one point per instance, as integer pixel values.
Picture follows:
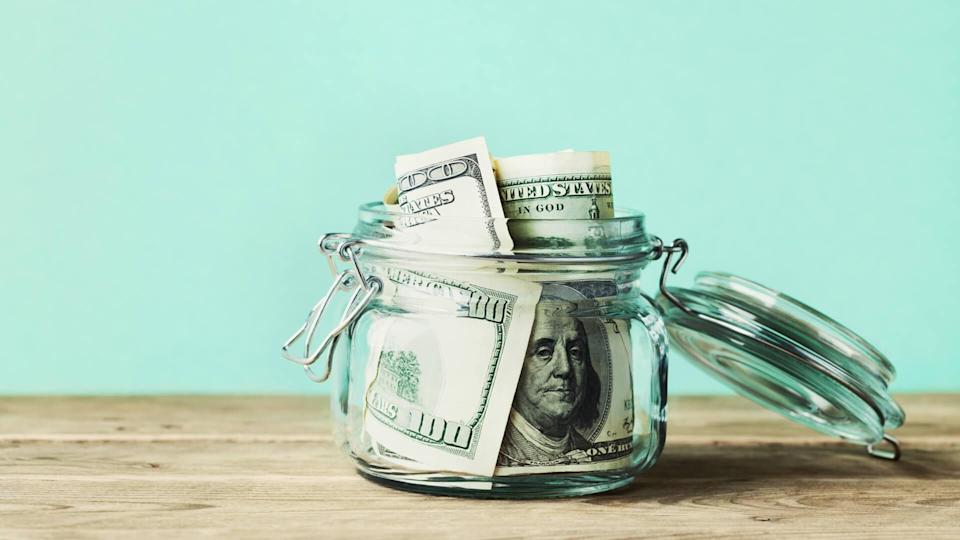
(348, 250)
(678, 246)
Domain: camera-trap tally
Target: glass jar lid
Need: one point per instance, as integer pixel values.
(783, 355)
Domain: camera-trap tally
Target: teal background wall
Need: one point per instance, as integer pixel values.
(166, 167)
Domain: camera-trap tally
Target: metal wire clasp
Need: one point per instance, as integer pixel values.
(347, 249)
(678, 246)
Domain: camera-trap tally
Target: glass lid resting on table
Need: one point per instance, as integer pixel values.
(785, 356)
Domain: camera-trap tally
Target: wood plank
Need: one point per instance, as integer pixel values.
(929, 417)
(281, 507)
(251, 467)
(165, 460)
(122, 417)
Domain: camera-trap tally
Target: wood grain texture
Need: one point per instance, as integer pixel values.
(253, 467)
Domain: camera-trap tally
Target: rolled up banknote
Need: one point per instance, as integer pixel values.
(558, 185)
(390, 198)
(453, 181)
(573, 407)
(439, 385)
(442, 379)
(541, 193)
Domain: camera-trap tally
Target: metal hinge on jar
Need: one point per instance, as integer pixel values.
(347, 249)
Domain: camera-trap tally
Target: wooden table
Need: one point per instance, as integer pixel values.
(266, 467)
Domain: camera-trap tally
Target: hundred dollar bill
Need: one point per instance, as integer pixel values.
(369, 448)
(453, 181)
(390, 198)
(443, 377)
(541, 193)
(573, 407)
(558, 185)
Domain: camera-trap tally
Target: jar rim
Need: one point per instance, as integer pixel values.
(622, 239)
(378, 208)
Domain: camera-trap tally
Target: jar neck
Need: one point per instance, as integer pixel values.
(499, 244)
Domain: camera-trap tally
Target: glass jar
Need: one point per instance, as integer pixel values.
(542, 372)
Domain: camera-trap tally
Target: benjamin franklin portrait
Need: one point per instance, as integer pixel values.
(556, 403)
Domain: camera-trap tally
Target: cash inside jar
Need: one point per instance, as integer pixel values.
(517, 383)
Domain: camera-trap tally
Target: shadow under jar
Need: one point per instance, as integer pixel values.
(461, 367)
